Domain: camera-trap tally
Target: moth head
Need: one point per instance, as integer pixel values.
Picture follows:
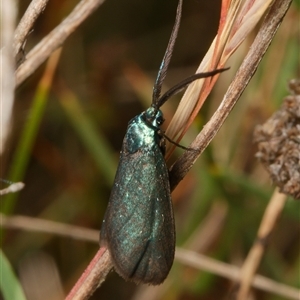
(154, 116)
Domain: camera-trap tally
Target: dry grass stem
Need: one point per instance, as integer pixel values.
(55, 38)
(209, 229)
(231, 272)
(7, 82)
(268, 223)
(47, 226)
(35, 8)
(259, 47)
(92, 277)
(101, 264)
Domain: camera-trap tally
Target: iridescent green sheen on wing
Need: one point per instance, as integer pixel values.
(138, 226)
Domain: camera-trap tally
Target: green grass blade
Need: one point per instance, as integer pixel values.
(9, 283)
(28, 136)
(94, 142)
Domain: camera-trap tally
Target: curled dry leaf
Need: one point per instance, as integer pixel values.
(237, 20)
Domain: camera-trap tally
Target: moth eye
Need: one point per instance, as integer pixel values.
(159, 120)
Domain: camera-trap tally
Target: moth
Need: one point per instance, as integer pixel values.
(138, 226)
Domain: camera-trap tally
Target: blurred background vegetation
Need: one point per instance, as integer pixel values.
(66, 139)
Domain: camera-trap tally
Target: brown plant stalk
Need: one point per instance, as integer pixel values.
(35, 8)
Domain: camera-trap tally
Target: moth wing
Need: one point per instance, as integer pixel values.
(138, 227)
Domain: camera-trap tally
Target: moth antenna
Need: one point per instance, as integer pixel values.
(166, 59)
(184, 83)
